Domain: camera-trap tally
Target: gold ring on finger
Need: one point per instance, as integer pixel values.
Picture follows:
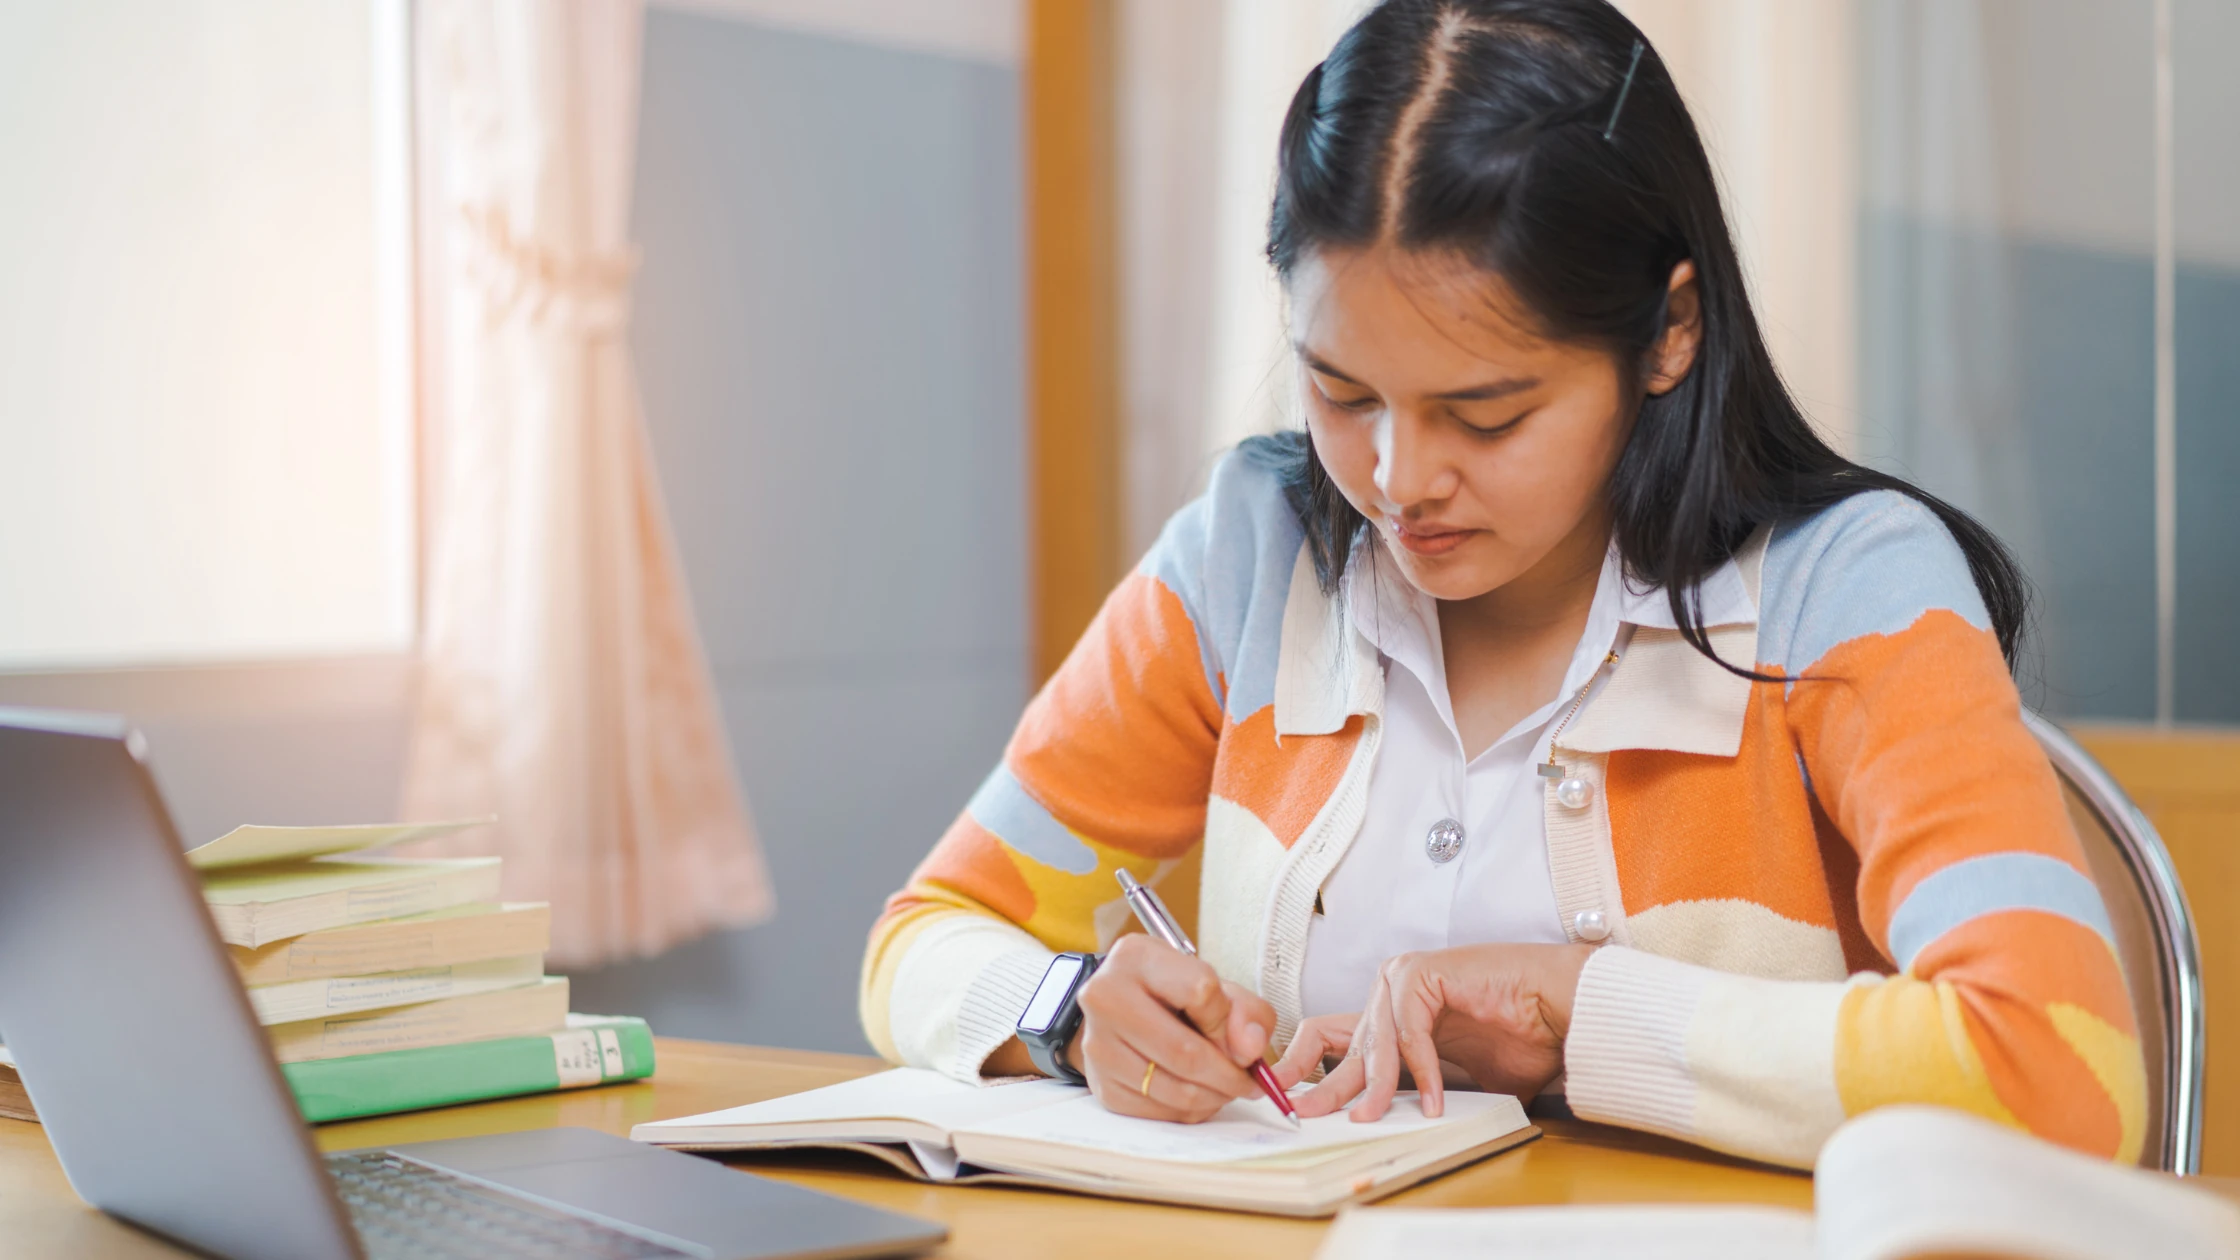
(1145, 1088)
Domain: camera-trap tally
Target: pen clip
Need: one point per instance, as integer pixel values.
(1174, 930)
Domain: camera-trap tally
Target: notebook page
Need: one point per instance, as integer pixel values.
(1571, 1233)
(914, 1094)
(1906, 1181)
(1247, 1129)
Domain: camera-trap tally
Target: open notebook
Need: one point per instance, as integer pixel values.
(1048, 1134)
(1899, 1183)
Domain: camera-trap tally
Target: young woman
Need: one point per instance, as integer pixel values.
(1558, 706)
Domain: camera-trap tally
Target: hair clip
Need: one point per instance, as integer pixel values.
(1623, 89)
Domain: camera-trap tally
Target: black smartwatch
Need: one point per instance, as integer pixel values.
(1053, 1015)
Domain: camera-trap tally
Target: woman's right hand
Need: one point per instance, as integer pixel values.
(1151, 1003)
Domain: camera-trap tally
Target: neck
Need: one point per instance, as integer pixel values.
(1557, 591)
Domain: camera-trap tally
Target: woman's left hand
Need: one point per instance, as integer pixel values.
(1499, 1012)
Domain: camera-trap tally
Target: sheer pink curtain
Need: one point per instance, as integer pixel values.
(563, 686)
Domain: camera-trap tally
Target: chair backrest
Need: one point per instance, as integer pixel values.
(2154, 939)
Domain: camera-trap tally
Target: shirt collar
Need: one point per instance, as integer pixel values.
(1327, 667)
(1403, 622)
(1725, 596)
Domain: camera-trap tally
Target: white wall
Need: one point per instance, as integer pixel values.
(1203, 86)
(1771, 86)
(303, 742)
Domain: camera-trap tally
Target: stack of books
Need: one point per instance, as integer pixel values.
(390, 984)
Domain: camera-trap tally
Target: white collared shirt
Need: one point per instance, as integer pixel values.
(1388, 895)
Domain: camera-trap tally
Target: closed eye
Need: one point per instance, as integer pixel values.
(1368, 402)
(1489, 431)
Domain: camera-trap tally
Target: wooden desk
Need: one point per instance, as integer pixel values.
(1573, 1163)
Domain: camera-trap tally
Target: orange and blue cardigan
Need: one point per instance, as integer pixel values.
(1856, 887)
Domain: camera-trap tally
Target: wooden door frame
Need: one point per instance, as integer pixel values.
(1072, 327)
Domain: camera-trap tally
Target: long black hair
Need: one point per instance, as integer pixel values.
(1510, 135)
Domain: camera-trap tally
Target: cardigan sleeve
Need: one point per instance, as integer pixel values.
(2008, 1000)
(1108, 770)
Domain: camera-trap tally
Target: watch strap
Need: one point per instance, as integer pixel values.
(1049, 1057)
(1047, 1050)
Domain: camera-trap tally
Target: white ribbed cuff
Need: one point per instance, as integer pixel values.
(1625, 1060)
(989, 1014)
(958, 992)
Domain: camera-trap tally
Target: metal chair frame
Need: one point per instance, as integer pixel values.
(2177, 952)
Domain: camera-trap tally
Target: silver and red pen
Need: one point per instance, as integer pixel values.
(1152, 914)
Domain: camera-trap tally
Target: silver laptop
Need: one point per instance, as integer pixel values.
(142, 1058)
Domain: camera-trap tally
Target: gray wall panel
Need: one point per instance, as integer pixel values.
(2017, 379)
(852, 780)
(2208, 355)
(829, 338)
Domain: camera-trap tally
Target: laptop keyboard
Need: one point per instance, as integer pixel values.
(406, 1209)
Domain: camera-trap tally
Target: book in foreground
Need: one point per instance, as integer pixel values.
(1898, 1183)
(15, 1104)
(1053, 1135)
(591, 1050)
(534, 1009)
(474, 932)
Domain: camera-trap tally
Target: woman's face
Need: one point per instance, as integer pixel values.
(1475, 447)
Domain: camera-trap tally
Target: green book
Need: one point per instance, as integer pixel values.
(591, 1050)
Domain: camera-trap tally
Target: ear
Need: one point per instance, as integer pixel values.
(1675, 351)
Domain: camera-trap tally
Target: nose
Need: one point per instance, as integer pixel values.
(1411, 468)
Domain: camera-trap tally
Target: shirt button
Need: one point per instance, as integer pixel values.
(1574, 793)
(1444, 840)
(1590, 925)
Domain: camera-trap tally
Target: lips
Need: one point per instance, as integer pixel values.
(1425, 539)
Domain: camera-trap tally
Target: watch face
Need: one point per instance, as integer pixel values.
(1050, 998)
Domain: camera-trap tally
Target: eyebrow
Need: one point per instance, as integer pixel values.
(1475, 393)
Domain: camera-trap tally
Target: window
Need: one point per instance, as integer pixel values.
(205, 369)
